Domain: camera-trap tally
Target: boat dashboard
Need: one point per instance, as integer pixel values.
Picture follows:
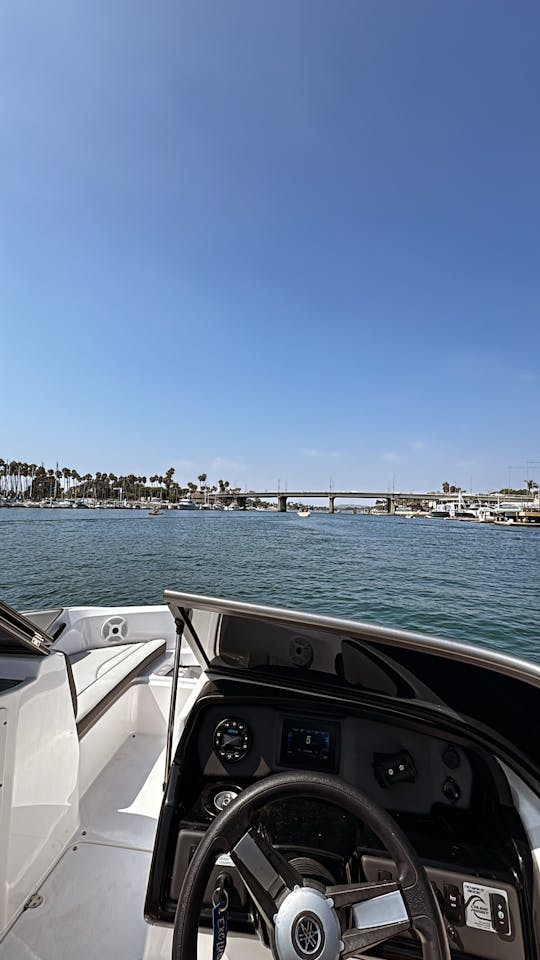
(446, 792)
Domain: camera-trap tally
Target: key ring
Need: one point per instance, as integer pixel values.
(220, 917)
(220, 901)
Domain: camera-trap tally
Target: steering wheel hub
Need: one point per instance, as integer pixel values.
(307, 927)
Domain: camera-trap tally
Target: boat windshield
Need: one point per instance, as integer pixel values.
(234, 639)
(266, 647)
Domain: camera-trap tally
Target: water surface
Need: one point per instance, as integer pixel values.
(473, 582)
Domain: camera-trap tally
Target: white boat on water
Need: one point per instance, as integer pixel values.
(187, 503)
(454, 510)
(439, 512)
(323, 789)
(303, 512)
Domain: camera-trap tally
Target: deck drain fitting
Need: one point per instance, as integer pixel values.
(33, 902)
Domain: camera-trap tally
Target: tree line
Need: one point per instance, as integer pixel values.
(530, 487)
(30, 481)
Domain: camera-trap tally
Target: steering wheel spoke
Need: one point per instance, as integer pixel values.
(348, 894)
(362, 938)
(378, 910)
(266, 874)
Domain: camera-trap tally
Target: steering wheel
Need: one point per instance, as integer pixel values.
(304, 921)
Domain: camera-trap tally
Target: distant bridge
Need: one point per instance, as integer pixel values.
(390, 498)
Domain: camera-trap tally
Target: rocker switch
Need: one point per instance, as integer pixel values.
(453, 904)
(391, 768)
(499, 914)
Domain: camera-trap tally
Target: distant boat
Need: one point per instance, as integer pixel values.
(186, 503)
(454, 510)
(304, 513)
(465, 515)
(156, 512)
(440, 512)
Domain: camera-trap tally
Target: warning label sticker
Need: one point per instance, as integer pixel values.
(479, 905)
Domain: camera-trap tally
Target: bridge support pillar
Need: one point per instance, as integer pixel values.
(331, 504)
(390, 505)
(241, 501)
(282, 504)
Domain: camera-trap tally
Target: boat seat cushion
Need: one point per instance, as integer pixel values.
(98, 672)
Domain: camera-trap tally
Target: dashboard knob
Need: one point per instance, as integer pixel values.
(451, 758)
(451, 790)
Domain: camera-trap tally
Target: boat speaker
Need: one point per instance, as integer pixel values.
(115, 628)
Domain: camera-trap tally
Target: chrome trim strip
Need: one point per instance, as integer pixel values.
(380, 911)
(507, 664)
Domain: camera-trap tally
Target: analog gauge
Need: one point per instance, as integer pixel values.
(300, 652)
(232, 740)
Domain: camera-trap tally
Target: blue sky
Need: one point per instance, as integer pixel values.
(294, 240)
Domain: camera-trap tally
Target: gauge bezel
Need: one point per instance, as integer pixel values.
(234, 755)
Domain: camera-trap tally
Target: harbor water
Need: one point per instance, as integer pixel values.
(470, 581)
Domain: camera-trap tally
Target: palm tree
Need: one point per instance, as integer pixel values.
(31, 474)
(168, 480)
(13, 467)
(201, 478)
(23, 475)
(50, 475)
(39, 483)
(66, 474)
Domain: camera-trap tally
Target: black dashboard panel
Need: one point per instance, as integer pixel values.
(448, 795)
(353, 747)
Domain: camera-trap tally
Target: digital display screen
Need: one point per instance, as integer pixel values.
(309, 744)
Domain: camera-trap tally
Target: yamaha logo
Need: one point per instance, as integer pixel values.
(308, 936)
